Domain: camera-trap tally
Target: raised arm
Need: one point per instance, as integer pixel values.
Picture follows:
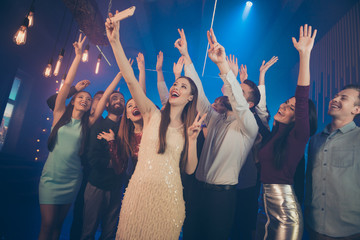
(261, 108)
(193, 133)
(304, 47)
(178, 67)
(233, 63)
(232, 88)
(60, 106)
(144, 104)
(161, 85)
(203, 104)
(104, 99)
(243, 73)
(141, 65)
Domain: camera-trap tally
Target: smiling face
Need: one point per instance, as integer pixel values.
(180, 92)
(116, 104)
(82, 101)
(132, 111)
(286, 112)
(345, 105)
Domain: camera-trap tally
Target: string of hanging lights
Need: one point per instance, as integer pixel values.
(21, 34)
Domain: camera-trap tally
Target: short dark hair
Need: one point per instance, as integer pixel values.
(254, 96)
(356, 88)
(225, 101)
(98, 92)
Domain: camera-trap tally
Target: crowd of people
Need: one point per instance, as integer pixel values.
(212, 171)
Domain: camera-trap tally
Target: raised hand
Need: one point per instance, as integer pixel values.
(194, 129)
(181, 43)
(108, 136)
(178, 67)
(140, 61)
(306, 39)
(131, 61)
(216, 52)
(243, 73)
(79, 44)
(265, 66)
(82, 85)
(112, 29)
(233, 63)
(159, 62)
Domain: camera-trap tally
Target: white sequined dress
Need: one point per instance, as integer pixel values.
(153, 206)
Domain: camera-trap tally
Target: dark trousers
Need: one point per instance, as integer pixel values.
(101, 206)
(77, 223)
(246, 212)
(211, 212)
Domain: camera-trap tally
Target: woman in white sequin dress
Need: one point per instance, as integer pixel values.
(153, 205)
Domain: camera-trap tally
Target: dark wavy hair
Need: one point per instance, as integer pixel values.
(65, 119)
(280, 144)
(187, 117)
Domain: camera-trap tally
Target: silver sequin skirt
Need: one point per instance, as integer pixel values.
(279, 216)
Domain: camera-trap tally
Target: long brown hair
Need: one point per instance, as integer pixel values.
(187, 117)
(124, 139)
(65, 119)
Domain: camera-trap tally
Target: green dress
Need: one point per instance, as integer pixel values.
(62, 173)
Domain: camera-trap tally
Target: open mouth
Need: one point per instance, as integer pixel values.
(174, 94)
(334, 106)
(135, 112)
(83, 105)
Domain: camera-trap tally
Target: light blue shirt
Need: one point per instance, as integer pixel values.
(332, 200)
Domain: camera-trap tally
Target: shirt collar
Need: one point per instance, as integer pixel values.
(347, 128)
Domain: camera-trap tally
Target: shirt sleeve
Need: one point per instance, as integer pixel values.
(302, 125)
(261, 109)
(52, 99)
(203, 104)
(240, 106)
(163, 92)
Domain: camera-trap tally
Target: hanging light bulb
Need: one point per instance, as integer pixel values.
(98, 64)
(30, 16)
(47, 71)
(59, 61)
(62, 81)
(85, 55)
(20, 36)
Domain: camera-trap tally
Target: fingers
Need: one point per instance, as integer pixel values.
(294, 41)
(305, 30)
(213, 35)
(301, 31)
(314, 34)
(209, 39)
(131, 61)
(111, 131)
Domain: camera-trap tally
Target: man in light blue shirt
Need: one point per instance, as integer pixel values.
(332, 201)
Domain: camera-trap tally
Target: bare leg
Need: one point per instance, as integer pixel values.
(61, 213)
(48, 221)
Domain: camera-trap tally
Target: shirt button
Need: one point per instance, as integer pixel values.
(322, 209)
(325, 150)
(324, 164)
(323, 194)
(324, 179)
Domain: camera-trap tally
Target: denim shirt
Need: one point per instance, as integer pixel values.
(332, 200)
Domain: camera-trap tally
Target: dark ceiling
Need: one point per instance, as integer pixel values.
(266, 32)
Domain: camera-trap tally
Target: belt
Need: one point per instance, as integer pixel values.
(216, 187)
